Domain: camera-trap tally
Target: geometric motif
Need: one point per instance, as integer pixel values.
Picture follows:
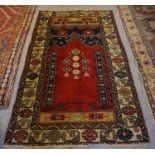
(74, 55)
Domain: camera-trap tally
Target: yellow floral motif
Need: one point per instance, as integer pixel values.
(76, 71)
(76, 65)
(75, 51)
(75, 58)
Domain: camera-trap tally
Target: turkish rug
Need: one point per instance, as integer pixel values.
(139, 24)
(14, 25)
(76, 86)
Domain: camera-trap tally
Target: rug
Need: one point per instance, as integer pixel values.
(139, 25)
(14, 25)
(145, 21)
(76, 86)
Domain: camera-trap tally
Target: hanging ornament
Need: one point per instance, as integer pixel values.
(86, 74)
(66, 74)
(76, 77)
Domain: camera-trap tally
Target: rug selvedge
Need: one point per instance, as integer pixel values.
(127, 125)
